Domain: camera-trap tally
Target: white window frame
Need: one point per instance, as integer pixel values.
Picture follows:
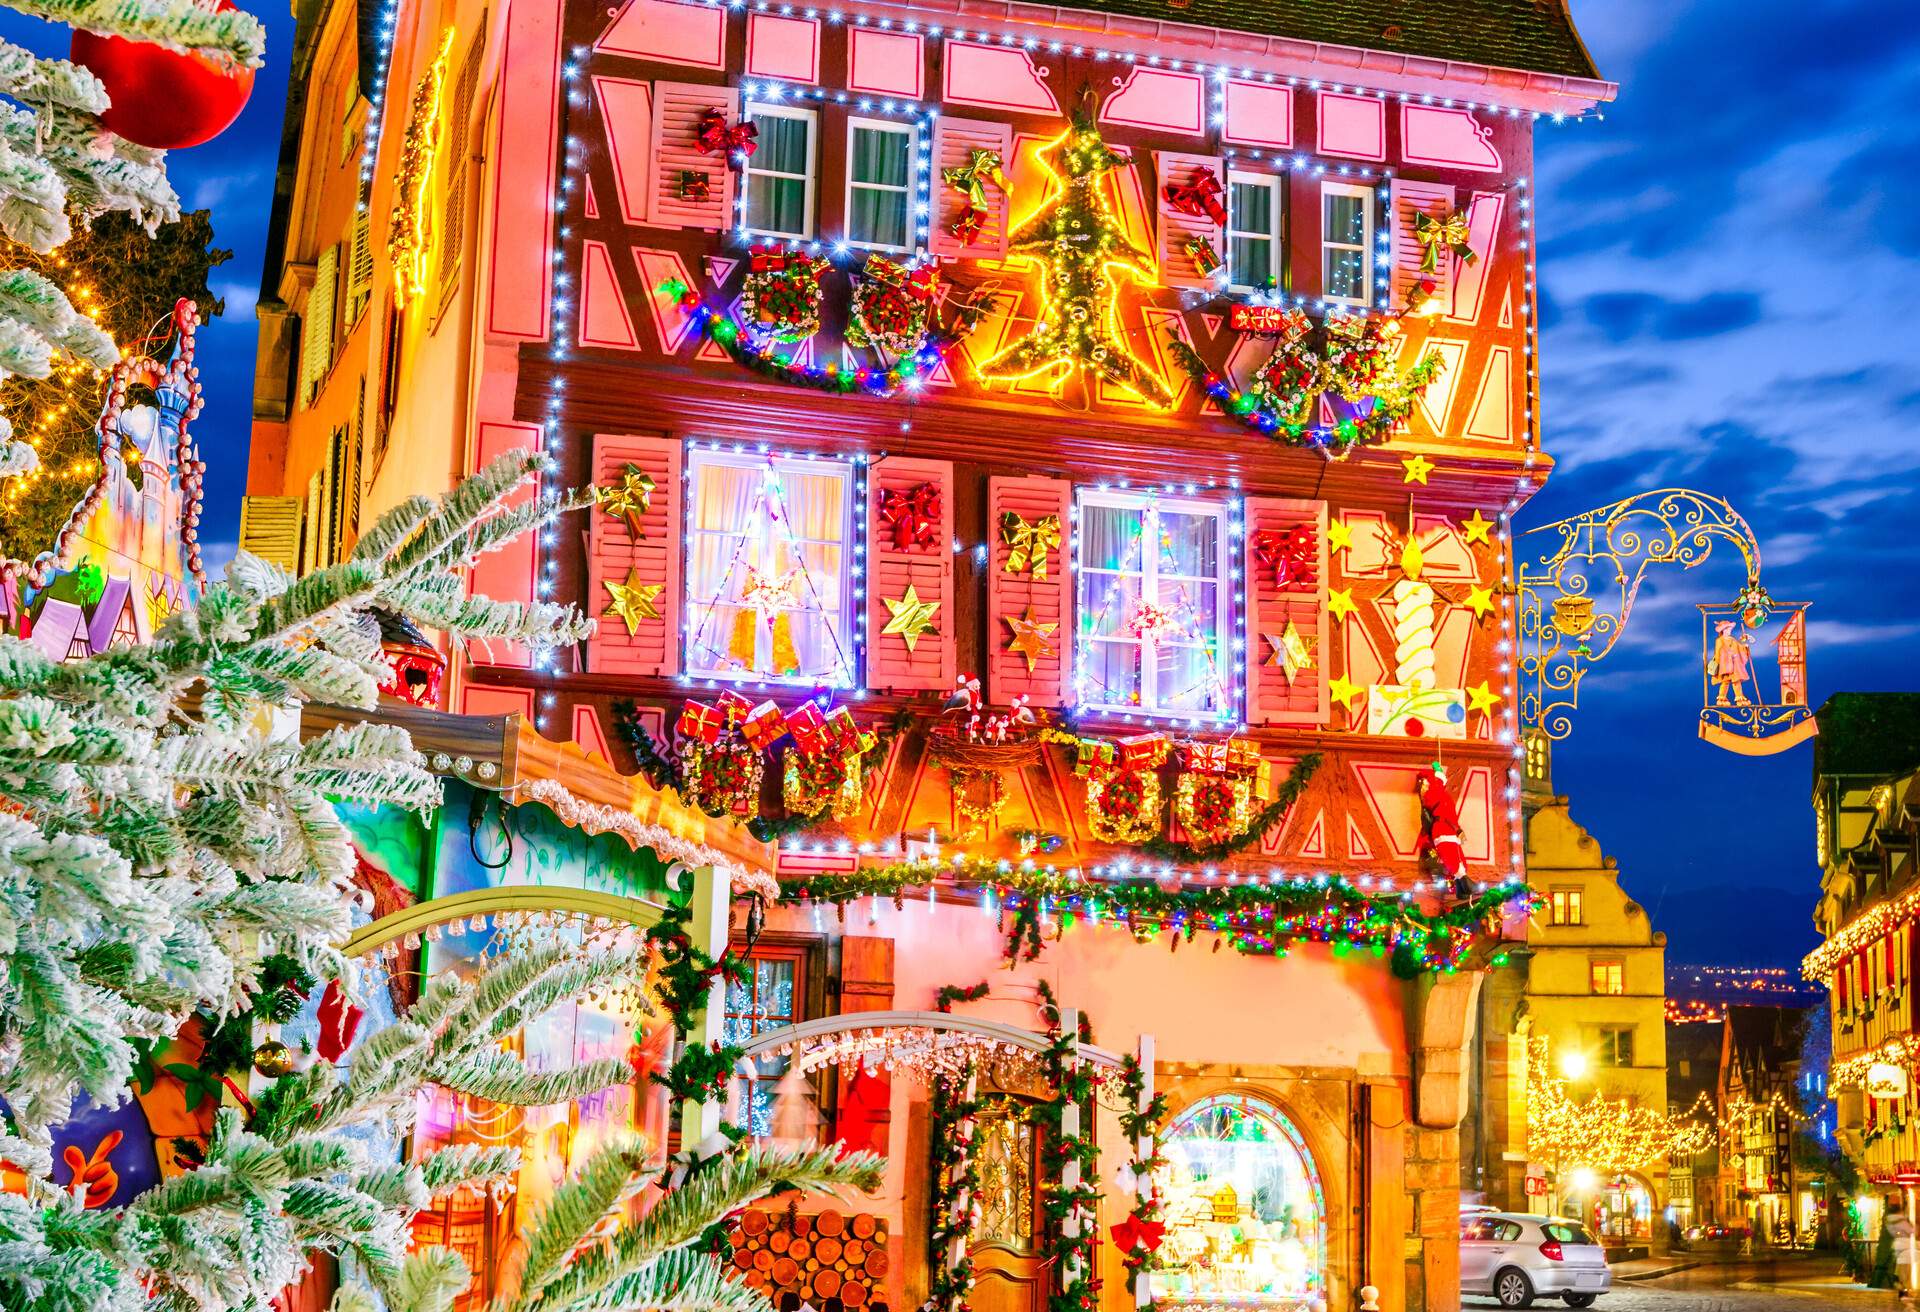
(699, 458)
(894, 127)
(759, 109)
(1368, 199)
(1226, 618)
(1275, 238)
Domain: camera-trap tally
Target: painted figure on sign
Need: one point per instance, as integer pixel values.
(1730, 666)
(1079, 242)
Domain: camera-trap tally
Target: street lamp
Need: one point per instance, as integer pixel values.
(1573, 1065)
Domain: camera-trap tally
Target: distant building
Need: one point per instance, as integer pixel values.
(1694, 1050)
(1866, 803)
(1761, 1189)
(1592, 983)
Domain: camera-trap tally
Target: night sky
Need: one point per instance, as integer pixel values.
(1724, 265)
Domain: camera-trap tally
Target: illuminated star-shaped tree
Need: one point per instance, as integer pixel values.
(1079, 242)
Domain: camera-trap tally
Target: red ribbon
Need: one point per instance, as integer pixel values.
(714, 137)
(1137, 1233)
(1289, 553)
(914, 514)
(339, 1022)
(1200, 196)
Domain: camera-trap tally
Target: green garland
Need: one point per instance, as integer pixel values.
(956, 1187)
(952, 993)
(1258, 919)
(1269, 815)
(1137, 1123)
(1070, 1255)
(686, 973)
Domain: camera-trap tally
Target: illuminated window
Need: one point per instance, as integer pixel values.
(879, 185)
(771, 994)
(1346, 242)
(1152, 580)
(1244, 1210)
(1253, 231)
(1608, 975)
(780, 171)
(1566, 906)
(1614, 1046)
(768, 583)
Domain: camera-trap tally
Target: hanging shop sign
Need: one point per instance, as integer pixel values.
(1886, 1081)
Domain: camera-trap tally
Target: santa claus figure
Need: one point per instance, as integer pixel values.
(1440, 825)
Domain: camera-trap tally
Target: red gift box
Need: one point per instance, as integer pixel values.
(809, 729)
(1141, 750)
(763, 727)
(1203, 758)
(733, 706)
(702, 723)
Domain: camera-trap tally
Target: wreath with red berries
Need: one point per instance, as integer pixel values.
(892, 306)
(781, 298)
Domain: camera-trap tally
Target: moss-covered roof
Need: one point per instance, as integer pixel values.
(1537, 36)
(1868, 733)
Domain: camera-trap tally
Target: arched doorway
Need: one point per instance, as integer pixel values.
(1246, 1215)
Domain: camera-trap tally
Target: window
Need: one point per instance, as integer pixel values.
(1346, 243)
(767, 573)
(771, 994)
(780, 172)
(1246, 1216)
(1152, 587)
(1253, 231)
(1566, 906)
(1615, 1047)
(1608, 975)
(879, 185)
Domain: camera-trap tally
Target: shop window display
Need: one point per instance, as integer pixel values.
(1246, 1217)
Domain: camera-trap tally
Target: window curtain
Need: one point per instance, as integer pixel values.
(879, 216)
(725, 543)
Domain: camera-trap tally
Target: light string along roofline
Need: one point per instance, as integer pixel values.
(1100, 54)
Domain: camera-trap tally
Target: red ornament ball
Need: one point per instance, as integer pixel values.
(161, 98)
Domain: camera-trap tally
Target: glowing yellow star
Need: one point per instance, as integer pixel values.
(633, 600)
(1339, 535)
(1417, 467)
(1291, 651)
(1477, 527)
(911, 617)
(1029, 638)
(1479, 600)
(1340, 602)
(1343, 692)
(1483, 698)
(1412, 559)
(628, 499)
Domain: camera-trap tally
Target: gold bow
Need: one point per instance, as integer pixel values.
(1029, 542)
(1436, 235)
(970, 179)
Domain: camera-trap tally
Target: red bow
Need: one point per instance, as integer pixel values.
(1135, 1233)
(1200, 196)
(714, 137)
(914, 514)
(1289, 553)
(339, 1022)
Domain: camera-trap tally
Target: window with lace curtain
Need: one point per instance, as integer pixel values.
(768, 581)
(879, 186)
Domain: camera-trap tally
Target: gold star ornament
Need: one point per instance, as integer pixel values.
(1477, 527)
(1479, 600)
(1483, 698)
(629, 498)
(1340, 602)
(633, 600)
(1030, 638)
(910, 616)
(1291, 651)
(1417, 467)
(1339, 535)
(1343, 691)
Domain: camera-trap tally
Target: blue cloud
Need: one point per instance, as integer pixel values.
(1622, 315)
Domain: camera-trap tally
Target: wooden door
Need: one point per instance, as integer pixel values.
(1007, 1271)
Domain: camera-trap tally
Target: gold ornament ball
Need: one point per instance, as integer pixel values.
(273, 1059)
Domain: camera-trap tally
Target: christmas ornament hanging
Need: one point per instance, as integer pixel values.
(273, 1059)
(162, 98)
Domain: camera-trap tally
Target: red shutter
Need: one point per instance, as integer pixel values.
(678, 108)
(1411, 199)
(1271, 605)
(654, 558)
(1012, 594)
(891, 666)
(954, 141)
(1177, 267)
(506, 574)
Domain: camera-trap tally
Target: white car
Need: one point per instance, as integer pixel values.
(1517, 1258)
